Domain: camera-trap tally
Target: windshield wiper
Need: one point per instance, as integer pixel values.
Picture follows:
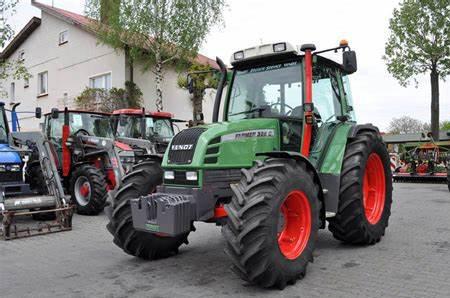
(257, 109)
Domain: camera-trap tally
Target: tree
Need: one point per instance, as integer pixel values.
(406, 124)
(445, 125)
(13, 68)
(419, 42)
(156, 32)
(98, 99)
(200, 77)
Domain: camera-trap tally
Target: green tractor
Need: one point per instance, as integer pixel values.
(287, 158)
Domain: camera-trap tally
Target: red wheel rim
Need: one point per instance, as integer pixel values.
(374, 189)
(295, 227)
(84, 190)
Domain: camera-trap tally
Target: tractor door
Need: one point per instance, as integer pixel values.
(331, 105)
(53, 132)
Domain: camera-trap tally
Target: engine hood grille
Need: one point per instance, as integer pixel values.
(183, 145)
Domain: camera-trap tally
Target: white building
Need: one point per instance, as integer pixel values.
(64, 57)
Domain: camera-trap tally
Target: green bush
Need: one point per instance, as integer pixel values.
(101, 100)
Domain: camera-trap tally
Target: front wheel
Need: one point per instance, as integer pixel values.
(88, 189)
(365, 196)
(141, 181)
(273, 220)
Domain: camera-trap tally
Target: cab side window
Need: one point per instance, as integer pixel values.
(326, 93)
(348, 97)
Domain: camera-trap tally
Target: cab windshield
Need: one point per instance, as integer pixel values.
(272, 90)
(130, 127)
(94, 124)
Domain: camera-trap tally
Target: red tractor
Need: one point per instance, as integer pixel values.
(88, 156)
(147, 133)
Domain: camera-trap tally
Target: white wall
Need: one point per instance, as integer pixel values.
(69, 66)
(175, 99)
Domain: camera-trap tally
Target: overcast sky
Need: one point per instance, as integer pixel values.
(377, 96)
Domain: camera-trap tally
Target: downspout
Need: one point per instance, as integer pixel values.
(223, 79)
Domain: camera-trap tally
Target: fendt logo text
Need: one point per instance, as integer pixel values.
(182, 147)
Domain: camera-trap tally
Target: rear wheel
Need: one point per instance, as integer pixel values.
(365, 193)
(141, 181)
(272, 224)
(88, 189)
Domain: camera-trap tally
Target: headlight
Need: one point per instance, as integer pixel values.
(169, 175)
(279, 47)
(2, 168)
(191, 176)
(239, 55)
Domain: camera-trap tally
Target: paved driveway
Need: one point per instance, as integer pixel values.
(412, 260)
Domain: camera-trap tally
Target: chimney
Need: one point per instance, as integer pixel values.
(109, 10)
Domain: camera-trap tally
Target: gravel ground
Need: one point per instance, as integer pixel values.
(412, 260)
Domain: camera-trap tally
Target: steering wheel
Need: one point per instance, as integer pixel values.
(279, 104)
(82, 132)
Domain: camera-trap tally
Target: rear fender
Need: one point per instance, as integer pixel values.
(362, 127)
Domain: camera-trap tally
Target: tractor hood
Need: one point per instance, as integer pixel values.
(222, 145)
(9, 155)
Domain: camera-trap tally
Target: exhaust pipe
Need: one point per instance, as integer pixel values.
(223, 79)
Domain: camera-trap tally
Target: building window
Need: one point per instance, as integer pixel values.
(63, 37)
(22, 55)
(26, 82)
(101, 81)
(43, 83)
(12, 92)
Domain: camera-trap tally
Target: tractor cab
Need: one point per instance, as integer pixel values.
(156, 127)
(81, 123)
(147, 133)
(269, 82)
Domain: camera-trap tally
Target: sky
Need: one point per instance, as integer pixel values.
(377, 95)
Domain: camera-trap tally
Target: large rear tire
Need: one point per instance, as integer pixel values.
(141, 181)
(365, 196)
(88, 190)
(272, 224)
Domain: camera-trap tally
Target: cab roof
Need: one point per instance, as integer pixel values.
(267, 53)
(81, 111)
(139, 112)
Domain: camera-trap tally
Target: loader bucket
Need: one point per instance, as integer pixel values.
(10, 229)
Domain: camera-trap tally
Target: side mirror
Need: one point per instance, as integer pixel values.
(190, 84)
(55, 113)
(349, 61)
(38, 113)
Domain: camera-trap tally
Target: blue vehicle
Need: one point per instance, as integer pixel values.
(29, 182)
